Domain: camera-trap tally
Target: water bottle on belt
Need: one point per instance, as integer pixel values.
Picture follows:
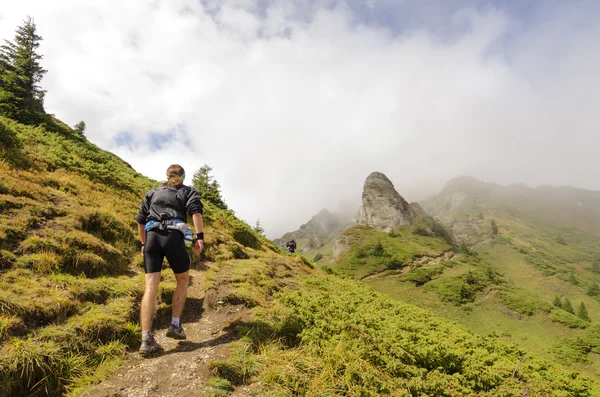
(188, 238)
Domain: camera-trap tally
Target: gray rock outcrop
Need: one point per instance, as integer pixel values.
(383, 208)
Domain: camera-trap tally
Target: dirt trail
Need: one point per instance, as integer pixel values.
(183, 368)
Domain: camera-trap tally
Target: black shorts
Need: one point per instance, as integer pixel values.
(161, 244)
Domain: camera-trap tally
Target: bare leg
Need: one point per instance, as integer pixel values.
(180, 293)
(149, 300)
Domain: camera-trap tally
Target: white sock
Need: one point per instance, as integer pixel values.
(146, 335)
(175, 321)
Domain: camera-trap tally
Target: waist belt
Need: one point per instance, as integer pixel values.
(171, 224)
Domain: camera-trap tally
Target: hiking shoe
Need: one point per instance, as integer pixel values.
(149, 346)
(176, 332)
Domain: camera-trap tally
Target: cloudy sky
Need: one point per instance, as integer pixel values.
(294, 103)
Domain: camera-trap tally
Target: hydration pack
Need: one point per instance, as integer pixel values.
(172, 224)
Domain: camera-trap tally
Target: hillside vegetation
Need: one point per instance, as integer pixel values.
(69, 257)
(71, 286)
(522, 273)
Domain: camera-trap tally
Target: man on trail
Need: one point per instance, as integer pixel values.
(291, 246)
(164, 233)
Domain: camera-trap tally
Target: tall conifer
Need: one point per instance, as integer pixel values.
(21, 96)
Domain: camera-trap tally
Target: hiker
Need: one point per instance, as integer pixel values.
(164, 233)
(291, 246)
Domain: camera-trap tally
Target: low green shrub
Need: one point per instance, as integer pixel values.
(359, 343)
(104, 226)
(7, 259)
(568, 319)
(41, 262)
(240, 367)
(421, 275)
(523, 301)
(219, 383)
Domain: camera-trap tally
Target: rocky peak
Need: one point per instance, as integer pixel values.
(383, 208)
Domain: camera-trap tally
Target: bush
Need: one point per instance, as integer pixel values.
(440, 231)
(104, 226)
(421, 276)
(421, 231)
(568, 319)
(42, 262)
(318, 257)
(494, 227)
(7, 259)
(523, 301)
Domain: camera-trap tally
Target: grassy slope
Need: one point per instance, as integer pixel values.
(69, 257)
(69, 293)
(534, 268)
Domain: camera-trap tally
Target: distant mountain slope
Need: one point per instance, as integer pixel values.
(565, 206)
(313, 233)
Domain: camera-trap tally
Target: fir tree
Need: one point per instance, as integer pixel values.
(494, 228)
(209, 188)
(258, 228)
(582, 312)
(80, 127)
(594, 289)
(21, 97)
(557, 302)
(567, 306)
(596, 266)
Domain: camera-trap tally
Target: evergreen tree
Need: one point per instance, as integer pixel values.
(594, 289)
(80, 127)
(557, 302)
(567, 306)
(582, 313)
(258, 228)
(596, 266)
(494, 228)
(209, 188)
(21, 97)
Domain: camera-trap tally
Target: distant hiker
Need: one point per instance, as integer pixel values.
(164, 233)
(291, 246)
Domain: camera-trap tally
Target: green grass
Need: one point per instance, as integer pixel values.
(348, 340)
(372, 251)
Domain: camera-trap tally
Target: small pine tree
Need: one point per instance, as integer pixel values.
(567, 306)
(464, 249)
(572, 279)
(470, 279)
(561, 240)
(494, 228)
(258, 228)
(318, 257)
(582, 312)
(208, 187)
(558, 302)
(596, 266)
(80, 127)
(594, 289)
(21, 97)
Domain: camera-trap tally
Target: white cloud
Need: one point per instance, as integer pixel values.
(294, 108)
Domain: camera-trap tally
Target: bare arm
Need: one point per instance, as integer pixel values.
(199, 226)
(142, 234)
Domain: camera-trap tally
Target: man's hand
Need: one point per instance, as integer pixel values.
(143, 249)
(198, 247)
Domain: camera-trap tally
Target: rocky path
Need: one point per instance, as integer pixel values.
(183, 368)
